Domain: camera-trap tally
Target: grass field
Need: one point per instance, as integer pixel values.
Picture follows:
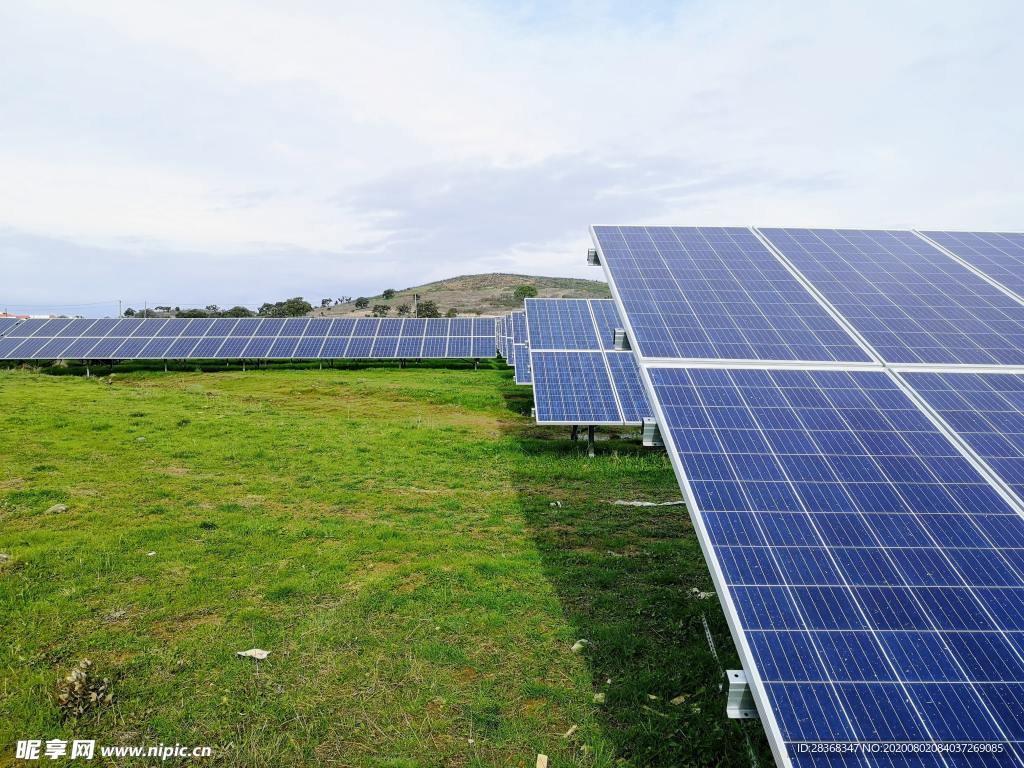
(393, 538)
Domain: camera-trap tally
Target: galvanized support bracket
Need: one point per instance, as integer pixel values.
(621, 340)
(740, 705)
(652, 433)
(592, 258)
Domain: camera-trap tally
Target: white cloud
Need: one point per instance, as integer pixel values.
(461, 137)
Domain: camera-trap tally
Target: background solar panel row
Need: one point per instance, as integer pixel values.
(875, 575)
(910, 301)
(251, 338)
(1000, 255)
(717, 293)
(578, 378)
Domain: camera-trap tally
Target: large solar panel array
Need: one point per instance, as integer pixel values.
(578, 378)
(250, 338)
(860, 518)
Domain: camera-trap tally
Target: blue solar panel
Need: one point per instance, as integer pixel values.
(180, 348)
(607, 319)
(987, 410)
(560, 324)
(7, 324)
(567, 323)
(233, 347)
(410, 346)
(460, 346)
(869, 567)
(27, 328)
(309, 347)
(719, 293)
(283, 347)
(1000, 255)
(384, 346)
(228, 338)
(53, 348)
(149, 328)
(128, 350)
(910, 301)
(246, 326)
(581, 391)
(519, 334)
(628, 386)
(157, 348)
(338, 346)
(521, 357)
(435, 346)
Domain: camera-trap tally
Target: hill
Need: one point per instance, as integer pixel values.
(489, 294)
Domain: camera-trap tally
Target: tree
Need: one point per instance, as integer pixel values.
(524, 292)
(389, 293)
(238, 311)
(404, 310)
(192, 313)
(325, 303)
(212, 309)
(129, 312)
(381, 310)
(296, 307)
(453, 312)
(362, 302)
(427, 309)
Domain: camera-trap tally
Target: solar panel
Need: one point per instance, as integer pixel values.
(564, 325)
(560, 324)
(1000, 255)
(872, 576)
(518, 319)
(579, 388)
(910, 301)
(257, 338)
(716, 293)
(986, 410)
(521, 361)
(7, 324)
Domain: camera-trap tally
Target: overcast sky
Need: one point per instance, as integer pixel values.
(188, 153)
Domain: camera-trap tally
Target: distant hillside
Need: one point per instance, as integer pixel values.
(489, 294)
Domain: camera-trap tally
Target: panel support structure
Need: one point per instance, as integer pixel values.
(740, 705)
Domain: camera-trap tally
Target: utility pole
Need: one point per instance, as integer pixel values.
(415, 305)
(119, 308)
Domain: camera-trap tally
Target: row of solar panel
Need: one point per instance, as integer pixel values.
(254, 326)
(242, 347)
(730, 293)
(301, 338)
(578, 378)
(513, 345)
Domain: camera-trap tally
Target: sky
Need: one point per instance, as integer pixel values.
(191, 153)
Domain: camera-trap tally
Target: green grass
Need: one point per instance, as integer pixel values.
(387, 535)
